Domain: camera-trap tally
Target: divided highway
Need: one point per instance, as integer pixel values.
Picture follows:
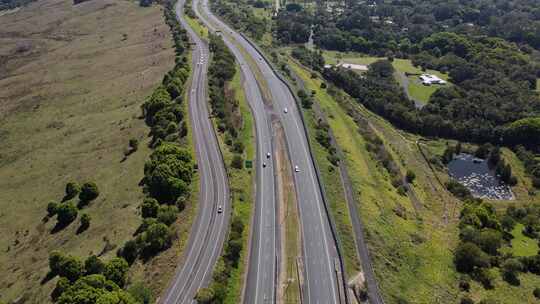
(320, 259)
(264, 254)
(210, 227)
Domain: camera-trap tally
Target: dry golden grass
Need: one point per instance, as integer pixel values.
(72, 79)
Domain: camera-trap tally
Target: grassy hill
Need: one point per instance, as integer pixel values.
(72, 79)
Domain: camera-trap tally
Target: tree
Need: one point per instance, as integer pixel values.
(94, 265)
(466, 300)
(55, 261)
(72, 189)
(510, 269)
(205, 295)
(85, 222)
(410, 176)
(67, 212)
(156, 238)
(468, 256)
(130, 251)
(490, 241)
(237, 162)
(133, 144)
(66, 266)
(116, 271)
(536, 292)
(167, 214)
(52, 208)
(149, 207)
(89, 192)
(141, 293)
(61, 285)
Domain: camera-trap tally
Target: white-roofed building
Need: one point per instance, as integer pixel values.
(428, 79)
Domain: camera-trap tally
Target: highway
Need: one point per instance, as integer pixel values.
(210, 227)
(320, 259)
(264, 254)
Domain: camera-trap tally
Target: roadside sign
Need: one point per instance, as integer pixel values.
(249, 164)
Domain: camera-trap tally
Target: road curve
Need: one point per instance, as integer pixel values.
(210, 227)
(264, 255)
(321, 266)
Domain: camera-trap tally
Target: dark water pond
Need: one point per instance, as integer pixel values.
(475, 174)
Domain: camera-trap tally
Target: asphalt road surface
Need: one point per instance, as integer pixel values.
(210, 227)
(263, 259)
(320, 260)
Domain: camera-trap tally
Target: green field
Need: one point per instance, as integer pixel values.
(196, 25)
(521, 244)
(411, 253)
(69, 105)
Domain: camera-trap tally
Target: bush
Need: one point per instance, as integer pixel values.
(67, 213)
(466, 300)
(133, 144)
(410, 176)
(536, 292)
(72, 189)
(149, 208)
(167, 214)
(468, 256)
(205, 296)
(89, 192)
(141, 293)
(237, 162)
(65, 266)
(94, 265)
(116, 271)
(85, 222)
(130, 251)
(52, 208)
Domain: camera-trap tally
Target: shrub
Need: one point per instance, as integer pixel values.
(67, 212)
(133, 144)
(130, 251)
(116, 271)
(52, 208)
(89, 192)
(205, 296)
(536, 292)
(167, 214)
(65, 266)
(237, 162)
(410, 176)
(72, 189)
(468, 257)
(149, 207)
(85, 222)
(141, 293)
(94, 265)
(466, 300)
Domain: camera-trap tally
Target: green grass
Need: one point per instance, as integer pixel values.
(72, 108)
(523, 245)
(412, 256)
(196, 25)
(241, 187)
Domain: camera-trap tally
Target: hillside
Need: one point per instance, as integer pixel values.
(72, 79)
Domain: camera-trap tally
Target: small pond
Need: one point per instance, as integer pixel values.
(475, 174)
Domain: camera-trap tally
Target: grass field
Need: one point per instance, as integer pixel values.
(196, 25)
(412, 251)
(241, 183)
(72, 79)
(335, 195)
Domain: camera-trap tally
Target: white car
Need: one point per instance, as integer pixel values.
(268, 155)
(219, 209)
(264, 165)
(296, 169)
(285, 110)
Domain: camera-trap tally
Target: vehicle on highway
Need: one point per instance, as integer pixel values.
(219, 209)
(264, 165)
(296, 169)
(268, 155)
(285, 110)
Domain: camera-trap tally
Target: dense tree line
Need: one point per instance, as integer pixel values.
(312, 59)
(531, 163)
(379, 27)
(293, 24)
(239, 15)
(479, 112)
